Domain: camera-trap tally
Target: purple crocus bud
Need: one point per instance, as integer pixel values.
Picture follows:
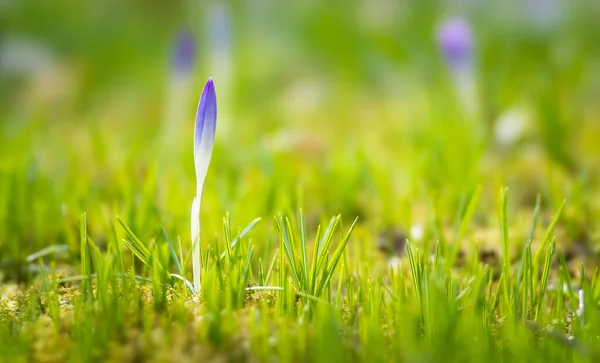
(456, 42)
(204, 132)
(204, 139)
(184, 53)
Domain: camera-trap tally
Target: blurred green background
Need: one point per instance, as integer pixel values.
(331, 106)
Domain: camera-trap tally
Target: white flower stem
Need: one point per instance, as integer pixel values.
(195, 214)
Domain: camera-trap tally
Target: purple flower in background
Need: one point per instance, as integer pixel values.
(542, 16)
(184, 53)
(179, 83)
(219, 21)
(455, 39)
(219, 33)
(204, 139)
(456, 42)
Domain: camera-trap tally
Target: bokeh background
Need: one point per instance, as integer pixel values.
(351, 107)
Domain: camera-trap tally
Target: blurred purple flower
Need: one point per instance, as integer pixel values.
(220, 29)
(184, 52)
(456, 42)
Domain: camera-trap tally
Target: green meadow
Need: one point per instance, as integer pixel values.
(369, 199)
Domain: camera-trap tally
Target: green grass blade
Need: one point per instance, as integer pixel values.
(313, 272)
(335, 259)
(550, 230)
(288, 239)
(242, 234)
(135, 244)
(50, 250)
(86, 268)
(505, 246)
(545, 278)
(464, 222)
(172, 252)
(305, 272)
(271, 266)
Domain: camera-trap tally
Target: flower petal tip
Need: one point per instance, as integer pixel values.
(209, 86)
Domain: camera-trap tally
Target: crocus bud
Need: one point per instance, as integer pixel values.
(204, 139)
(456, 42)
(204, 132)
